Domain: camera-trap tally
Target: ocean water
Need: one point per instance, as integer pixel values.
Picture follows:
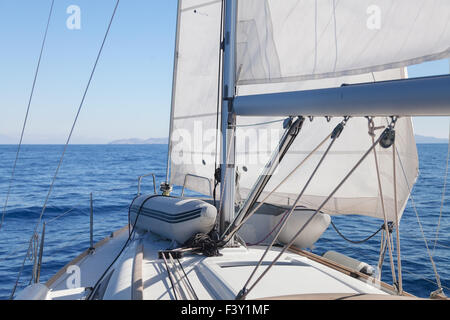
(110, 172)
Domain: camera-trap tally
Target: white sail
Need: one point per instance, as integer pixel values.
(360, 194)
(194, 110)
(195, 98)
(293, 40)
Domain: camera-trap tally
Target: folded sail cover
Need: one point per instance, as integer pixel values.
(293, 45)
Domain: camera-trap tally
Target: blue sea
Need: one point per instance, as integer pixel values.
(110, 172)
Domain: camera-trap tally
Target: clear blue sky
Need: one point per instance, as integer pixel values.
(131, 90)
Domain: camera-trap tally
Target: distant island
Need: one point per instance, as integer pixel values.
(425, 139)
(141, 141)
(419, 139)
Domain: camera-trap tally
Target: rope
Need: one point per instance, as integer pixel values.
(204, 243)
(170, 277)
(357, 241)
(180, 279)
(191, 288)
(73, 125)
(383, 207)
(26, 115)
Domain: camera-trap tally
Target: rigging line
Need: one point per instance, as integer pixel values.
(438, 280)
(382, 135)
(357, 241)
(282, 182)
(383, 249)
(170, 276)
(21, 268)
(79, 110)
(26, 114)
(397, 222)
(443, 194)
(182, 280)
(380, 189)
(188, 281)
(244, 291)
(75, 120)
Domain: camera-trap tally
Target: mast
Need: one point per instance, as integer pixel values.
(228, 171)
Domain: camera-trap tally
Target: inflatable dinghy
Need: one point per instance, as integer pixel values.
(172, 218)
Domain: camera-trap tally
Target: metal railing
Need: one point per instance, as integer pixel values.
(140, 181)
(197, 177)
(37, 264)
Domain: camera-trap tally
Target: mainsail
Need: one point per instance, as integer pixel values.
(294, 45)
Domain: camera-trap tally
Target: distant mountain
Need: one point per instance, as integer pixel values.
(141, 141)
(424, 139)
(419, 139)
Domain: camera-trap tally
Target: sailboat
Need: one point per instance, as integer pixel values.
(284, 114)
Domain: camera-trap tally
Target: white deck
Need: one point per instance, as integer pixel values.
(211, 277)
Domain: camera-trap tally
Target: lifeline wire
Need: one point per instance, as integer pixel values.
(26, 115)
(70, 134)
